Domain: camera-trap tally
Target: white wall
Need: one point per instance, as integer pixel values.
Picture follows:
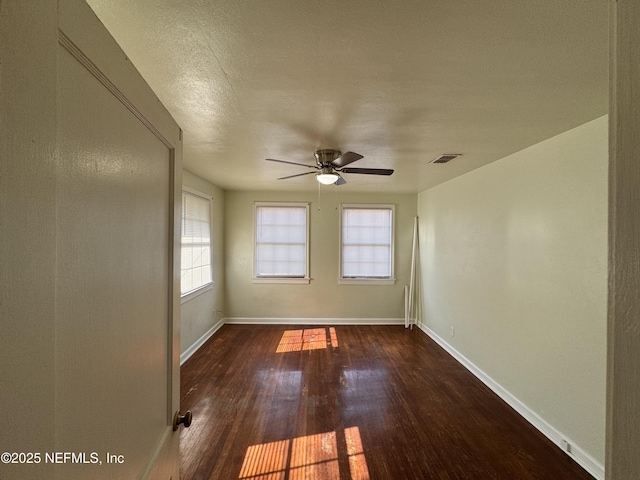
(323, 297)
(204, 312)
(514, 257)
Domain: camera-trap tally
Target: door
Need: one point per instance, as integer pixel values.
(117, 304)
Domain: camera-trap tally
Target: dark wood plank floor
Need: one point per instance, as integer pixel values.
(373, 402)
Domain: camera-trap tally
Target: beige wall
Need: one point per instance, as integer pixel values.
(76, 173)
(27, 231)
(514, 257)
(201, 313)
(323, 297)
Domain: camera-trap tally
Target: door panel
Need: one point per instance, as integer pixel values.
(116, 333)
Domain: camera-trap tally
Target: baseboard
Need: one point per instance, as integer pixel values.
(198, 343)
(314, 321)
(581, 457)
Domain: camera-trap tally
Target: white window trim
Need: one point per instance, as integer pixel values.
(207, 286)
(282, 280)
(194, 293)
(369, 281)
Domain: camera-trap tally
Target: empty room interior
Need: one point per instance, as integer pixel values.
(384, 244)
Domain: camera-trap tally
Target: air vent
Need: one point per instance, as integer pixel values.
(447, 157)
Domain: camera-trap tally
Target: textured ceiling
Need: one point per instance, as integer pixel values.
(398, 82)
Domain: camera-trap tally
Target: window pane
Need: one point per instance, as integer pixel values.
(281, 241)
(367, 242)
(195, 267)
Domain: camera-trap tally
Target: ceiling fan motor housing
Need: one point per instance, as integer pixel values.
(326, 156)
(326, 170)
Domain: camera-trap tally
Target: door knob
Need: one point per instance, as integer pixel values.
(184, 419)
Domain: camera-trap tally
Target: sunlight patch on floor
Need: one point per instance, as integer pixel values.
(307, 339)
(312, 457)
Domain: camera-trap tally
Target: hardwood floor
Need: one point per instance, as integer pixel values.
(350, 403)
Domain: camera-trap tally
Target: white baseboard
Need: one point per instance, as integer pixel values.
(314, 321)
(581, 457)
(198, 343)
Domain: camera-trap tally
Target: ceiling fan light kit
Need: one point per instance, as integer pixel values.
(330, 163)
(327, 178)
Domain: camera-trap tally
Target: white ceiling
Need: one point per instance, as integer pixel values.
(398, 82)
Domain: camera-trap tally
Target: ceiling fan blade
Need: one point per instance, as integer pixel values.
(298, 175)
(368, 171)
(346, 159)
(341, 181)
(291, 163)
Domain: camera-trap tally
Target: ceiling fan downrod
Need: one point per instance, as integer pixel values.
(326, 156)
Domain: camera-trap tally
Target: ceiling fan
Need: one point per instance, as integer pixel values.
(330, 164)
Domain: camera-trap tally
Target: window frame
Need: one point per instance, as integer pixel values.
(281, 279)
(184, 297)
(391, 280)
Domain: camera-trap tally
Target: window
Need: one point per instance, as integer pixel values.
(195, 264)
(281, 250)
(366, 249)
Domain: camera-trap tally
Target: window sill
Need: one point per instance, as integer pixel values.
(366, 281)
(195, 293)
(298, 281)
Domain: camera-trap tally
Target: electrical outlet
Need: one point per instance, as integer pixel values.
(566, 446)
(452, 331)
